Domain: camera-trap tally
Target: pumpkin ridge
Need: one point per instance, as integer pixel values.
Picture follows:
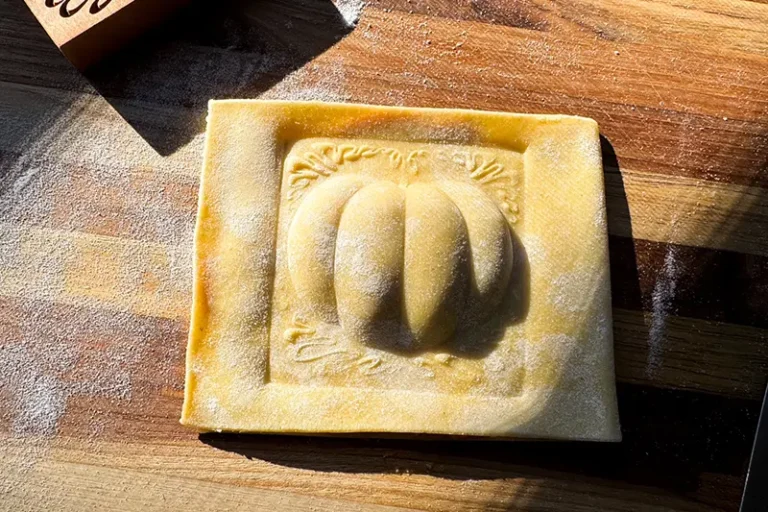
(316, 288)
(491, 250)
(434, 297)
(368, 271)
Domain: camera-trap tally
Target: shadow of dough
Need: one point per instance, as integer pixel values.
(161, 84)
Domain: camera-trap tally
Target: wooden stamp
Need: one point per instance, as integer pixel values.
(87, 30)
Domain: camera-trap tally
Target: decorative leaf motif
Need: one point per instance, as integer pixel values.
(412, 160)
(299, 329)
(309, 348)
(395, 157)
(326, 158)
(369, 365)
(487, 172)
(306, 351)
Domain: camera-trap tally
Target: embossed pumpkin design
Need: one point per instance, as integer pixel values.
(399, 266)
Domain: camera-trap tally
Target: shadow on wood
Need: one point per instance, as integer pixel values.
(686, 297)
(682, 443)
(212, 50)
(659, 448)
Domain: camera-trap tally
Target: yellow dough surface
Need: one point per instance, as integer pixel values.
(378, 269)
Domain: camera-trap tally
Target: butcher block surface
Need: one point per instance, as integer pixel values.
(98, 191)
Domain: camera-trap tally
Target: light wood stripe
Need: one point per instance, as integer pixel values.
(95, 271)
(690, 354)
(183, 475)
(73, 477)
(699, 213)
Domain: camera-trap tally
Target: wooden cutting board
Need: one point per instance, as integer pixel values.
(98, 183)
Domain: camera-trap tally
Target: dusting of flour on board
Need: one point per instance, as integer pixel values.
(93, 218)
(313, 83)
(350, 10)
(95, 245)
(663, 297)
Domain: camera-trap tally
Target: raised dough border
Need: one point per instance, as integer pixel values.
(227, 386)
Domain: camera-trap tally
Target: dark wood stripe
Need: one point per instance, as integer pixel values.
(536, 15)
(649, 136)
(29, 56)
(120, 373)
(695, 282)
(525, 15)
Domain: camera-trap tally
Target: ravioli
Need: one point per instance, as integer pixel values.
(376, 269)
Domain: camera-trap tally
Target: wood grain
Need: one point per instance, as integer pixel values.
(167, 476)
(714, 285)
(698, 355)
(98, 184)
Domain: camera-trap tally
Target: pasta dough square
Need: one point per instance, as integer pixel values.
(363, 269)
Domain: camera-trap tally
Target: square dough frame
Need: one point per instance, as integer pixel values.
(569, 386)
